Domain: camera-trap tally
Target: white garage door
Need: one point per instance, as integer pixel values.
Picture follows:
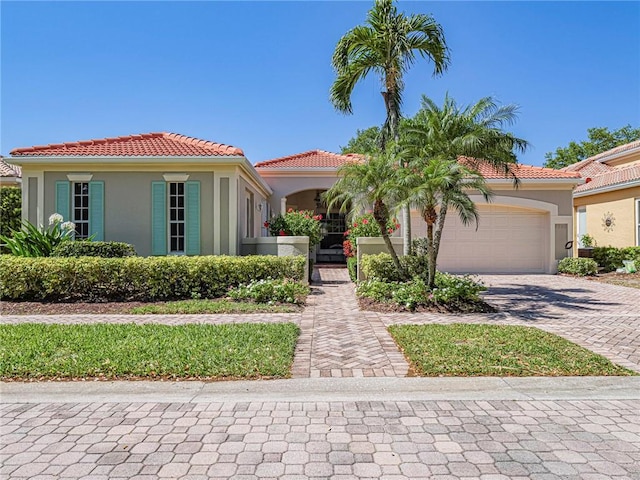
(508, 240)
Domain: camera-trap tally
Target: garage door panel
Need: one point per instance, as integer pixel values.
(508, 240)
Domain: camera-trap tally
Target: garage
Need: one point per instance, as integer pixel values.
(508, 240)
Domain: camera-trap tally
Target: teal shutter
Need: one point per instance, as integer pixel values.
(158, 218)
(63, 197)
(96, 210)
(192, 217)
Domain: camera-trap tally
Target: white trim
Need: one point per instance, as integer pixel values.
(175, 177)
(608, 188)
(637, 205)
(79, 177)
(552, 208)
(624, 153)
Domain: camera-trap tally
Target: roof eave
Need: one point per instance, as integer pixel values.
(118, 159)
(608, 188)
(615, 156)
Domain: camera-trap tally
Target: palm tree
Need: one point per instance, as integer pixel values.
(387, 44)
(446, 148)
(373, 182)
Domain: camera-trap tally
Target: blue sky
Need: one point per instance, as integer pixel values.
(257, 74)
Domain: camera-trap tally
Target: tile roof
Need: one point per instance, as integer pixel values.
(146, 144)
(524, 172)
(614, 177)
(616, 150)
(592, 166)
(9, 170)
(310, 159)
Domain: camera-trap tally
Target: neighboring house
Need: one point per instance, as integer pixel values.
(170, 194)
(607, 205)
(10, 175)
(162, 192)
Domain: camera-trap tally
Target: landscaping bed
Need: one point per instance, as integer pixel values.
(32, 352)
(464, 350)
(372, 305)
(623, 279)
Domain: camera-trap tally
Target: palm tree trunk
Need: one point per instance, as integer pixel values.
(379, 213)
(430, 217)
(436, 240)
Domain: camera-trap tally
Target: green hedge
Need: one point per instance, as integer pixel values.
(610, 258)
(380, 267)
(352, 268)
(94, 249)
(136, 278)
(578, 266)
(10, 209)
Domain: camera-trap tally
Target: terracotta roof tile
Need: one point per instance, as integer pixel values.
(588, 168)
(616, 150)
(523, 172)
(310, 159)
(613, 177)
(146, 144)
(9, 170)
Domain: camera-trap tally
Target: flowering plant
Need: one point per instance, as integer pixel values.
(364, 226)
(32, 241)
(297, 223)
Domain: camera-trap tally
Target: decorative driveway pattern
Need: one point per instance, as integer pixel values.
(490, 440)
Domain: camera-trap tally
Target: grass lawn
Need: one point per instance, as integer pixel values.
(212, 306)
(495, 350)
(107, 351)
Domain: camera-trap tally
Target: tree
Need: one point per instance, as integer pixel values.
(387, 45)
(365, 142)
(600, 140)
(371, 183)
(445, 148)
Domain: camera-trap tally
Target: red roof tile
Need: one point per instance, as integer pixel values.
(615, 151)
(146, 144)
(523, 172)
(310, 159)
(614, 177)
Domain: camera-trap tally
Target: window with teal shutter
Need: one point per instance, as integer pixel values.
(158, 218)
(96, 210)
(63, 195)
(192, 194)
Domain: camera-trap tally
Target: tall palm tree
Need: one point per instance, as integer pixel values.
(446, 148)
(374, 182)
(387, 45)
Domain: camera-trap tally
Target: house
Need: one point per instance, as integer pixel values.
(10, 175)
(170, 194)
(162, 192)
(607, 205)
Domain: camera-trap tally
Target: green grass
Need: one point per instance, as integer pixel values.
(211, 306)
(496, 350)
(108, 351)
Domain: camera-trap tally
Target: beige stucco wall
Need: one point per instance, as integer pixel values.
(127, 206)
(560, 197)
(284, 185)
(245, 189)
(620, 204)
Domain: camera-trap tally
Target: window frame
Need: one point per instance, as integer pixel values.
(177, 221)
(80, 223)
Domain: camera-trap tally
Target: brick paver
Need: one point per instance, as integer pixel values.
(320, 440)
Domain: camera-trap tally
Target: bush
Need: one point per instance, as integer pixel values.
(380, 267)
(610, 258)
(364, 226)
(352, 267)
(32, 241)
(301, 223)
(136, 278)
(451, 291)
(10, 210)
(94, 249)
(578, 266)
(271, 291)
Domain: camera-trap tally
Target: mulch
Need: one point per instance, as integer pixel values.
(80, 308)
(381, 307)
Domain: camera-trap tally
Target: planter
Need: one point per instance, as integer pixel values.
(585, 252)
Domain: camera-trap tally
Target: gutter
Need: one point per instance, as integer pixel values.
(608, 188)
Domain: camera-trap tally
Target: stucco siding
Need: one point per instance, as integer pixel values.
(561, 198)
(127, 206)
(283, 186)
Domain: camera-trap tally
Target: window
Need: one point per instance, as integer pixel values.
(176, 217)
(249, 216)
(582, 224)
(638, 222)
(81, 209)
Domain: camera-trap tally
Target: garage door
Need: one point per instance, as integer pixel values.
(508, 240)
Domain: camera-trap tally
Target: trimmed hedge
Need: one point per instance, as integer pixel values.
(352, 268)
(10, 210)
(136, 278)
(578, 266)
(94, 249)
(610, 258)
(380, 267)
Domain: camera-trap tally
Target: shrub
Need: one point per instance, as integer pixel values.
(94, 249)
(451, 290)
(10, 210)
(271, 291)
(32, 241)
(364, 226)
(297, 223)
(136, 278)
(578, 266)
(381, 267)
(352, 267)
(611, 258)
